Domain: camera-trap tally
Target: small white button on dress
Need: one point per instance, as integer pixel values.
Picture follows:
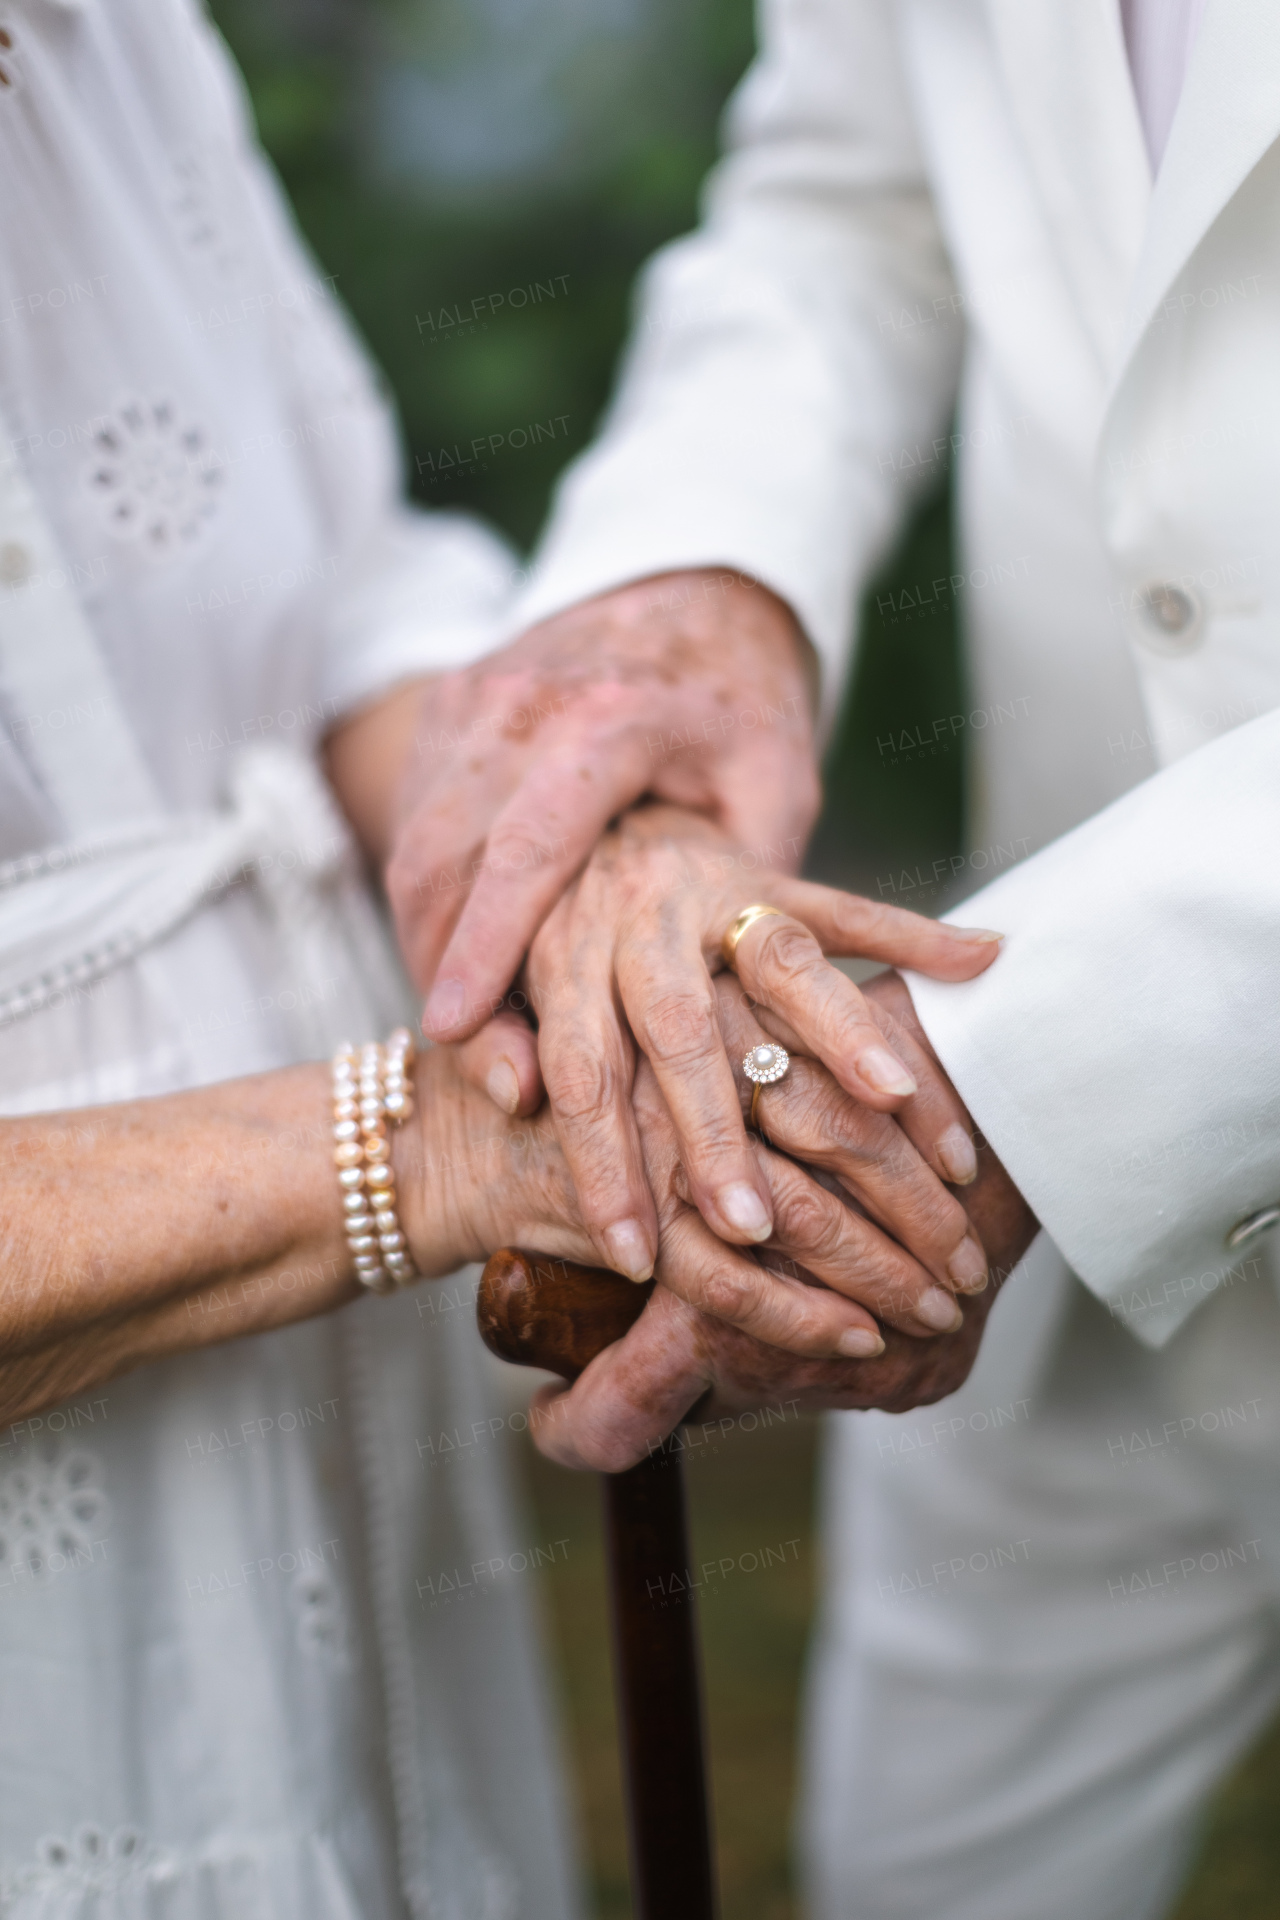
(1169, 620)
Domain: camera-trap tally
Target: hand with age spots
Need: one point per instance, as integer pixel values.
(624, 968)
(679, 1357)
(523, 759)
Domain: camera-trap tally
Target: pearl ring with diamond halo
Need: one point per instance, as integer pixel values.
(763, 1065)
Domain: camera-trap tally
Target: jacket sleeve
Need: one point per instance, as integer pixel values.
(793, 362)
(1120, 1053)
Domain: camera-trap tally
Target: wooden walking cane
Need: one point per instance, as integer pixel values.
(552, 1314)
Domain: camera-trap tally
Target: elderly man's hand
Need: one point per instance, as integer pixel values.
(694, 687)
(677, 1356)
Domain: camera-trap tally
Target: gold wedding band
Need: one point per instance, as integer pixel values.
(754, 1121)
(747, 918)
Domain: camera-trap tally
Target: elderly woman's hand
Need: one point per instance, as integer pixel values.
(473, 1178)
(156, 1226)
(631, 949)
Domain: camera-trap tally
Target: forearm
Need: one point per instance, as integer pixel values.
(366, 758)
(156, 1227)
(137, 1230)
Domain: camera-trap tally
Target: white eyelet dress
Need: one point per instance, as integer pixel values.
(263, 1651)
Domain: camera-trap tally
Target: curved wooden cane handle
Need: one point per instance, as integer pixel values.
(554, 1314)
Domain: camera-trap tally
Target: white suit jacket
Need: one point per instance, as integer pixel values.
(949, 201)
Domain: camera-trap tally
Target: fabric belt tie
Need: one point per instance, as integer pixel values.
(70, 914)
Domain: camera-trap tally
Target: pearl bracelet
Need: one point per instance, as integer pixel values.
(371, 1092)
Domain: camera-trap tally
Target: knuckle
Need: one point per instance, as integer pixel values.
(811, 1222)
(953, 1221)
(714, 1137)
(838, 1120)
(855, 916)
(938, 1215)
(582, 1086)
(787, 950)
(903, 1172)
(729, 1294)
(679, 1025)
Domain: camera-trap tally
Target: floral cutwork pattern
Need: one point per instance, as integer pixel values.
(321, 1617)
(54, 1513)
(197, 214)
(92, 1860)
(10, 69)
(154, 480)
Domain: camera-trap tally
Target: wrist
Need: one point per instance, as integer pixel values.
(704, 601)
(431, 1167)
(366, 757)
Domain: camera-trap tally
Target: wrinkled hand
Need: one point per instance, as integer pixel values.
(694, 687)
(838, 1220)
(471, 1179)
(625, 960)
(678, 1356)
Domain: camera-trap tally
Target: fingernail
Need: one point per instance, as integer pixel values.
(884, 1071)
(743, 1208)
(628, 1246)
(955, 1150)
(859, 1343)
(968, 1266)
(980, 936)
(445, 1006)
(938, 1310)
(504, 1087)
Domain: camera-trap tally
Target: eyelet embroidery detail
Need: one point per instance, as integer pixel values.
(10, 69)
(321, 1617)
(197, 216)
(92, 1860)
(88, 1846)
(153, 479)
(54, 1513)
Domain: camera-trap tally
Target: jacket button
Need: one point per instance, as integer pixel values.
(1170, 619)
(16, 563)
(1251, 1226)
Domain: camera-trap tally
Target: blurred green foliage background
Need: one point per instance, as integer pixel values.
(441, 153)
(572, 138)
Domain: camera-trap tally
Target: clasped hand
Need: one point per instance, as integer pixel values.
(639, 1042)
(850, 1259)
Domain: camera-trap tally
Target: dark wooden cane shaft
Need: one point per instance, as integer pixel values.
(655, 1643)
(550, 1313)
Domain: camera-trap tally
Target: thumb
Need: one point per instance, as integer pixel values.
(502, 1061)
(630, 1397)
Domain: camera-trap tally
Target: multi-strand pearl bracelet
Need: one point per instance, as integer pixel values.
(372, 1091)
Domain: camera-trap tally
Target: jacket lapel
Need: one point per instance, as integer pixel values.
(1228, 116)
(1067, 80)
